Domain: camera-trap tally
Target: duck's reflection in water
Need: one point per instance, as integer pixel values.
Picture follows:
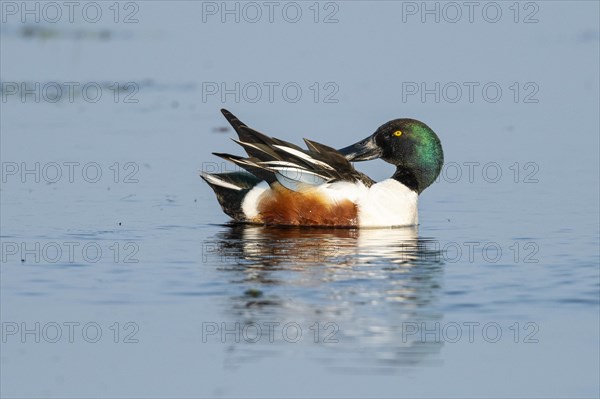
(374, 291)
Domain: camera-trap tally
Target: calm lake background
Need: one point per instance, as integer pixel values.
(121, 278)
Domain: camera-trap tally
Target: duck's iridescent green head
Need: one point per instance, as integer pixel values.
(407, 143)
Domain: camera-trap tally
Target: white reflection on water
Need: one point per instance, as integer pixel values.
(368, 285)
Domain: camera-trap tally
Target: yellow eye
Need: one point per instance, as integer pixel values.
(397, 133)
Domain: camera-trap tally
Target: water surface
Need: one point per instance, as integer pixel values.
(498, 283)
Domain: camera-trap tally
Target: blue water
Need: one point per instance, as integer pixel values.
(120, 276)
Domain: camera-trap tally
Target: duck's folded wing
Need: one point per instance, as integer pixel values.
(293, 167)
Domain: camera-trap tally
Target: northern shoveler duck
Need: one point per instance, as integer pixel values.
(283, 184)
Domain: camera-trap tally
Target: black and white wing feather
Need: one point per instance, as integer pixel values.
(275, 160)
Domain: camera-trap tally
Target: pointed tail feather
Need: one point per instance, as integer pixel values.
(231, 189)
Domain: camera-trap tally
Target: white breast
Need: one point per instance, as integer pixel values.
(388, 203)
(384, 204)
